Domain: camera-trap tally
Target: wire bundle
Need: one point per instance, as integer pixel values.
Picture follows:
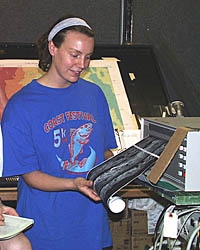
(181, 211)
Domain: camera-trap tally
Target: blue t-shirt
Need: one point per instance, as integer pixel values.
(62, 132)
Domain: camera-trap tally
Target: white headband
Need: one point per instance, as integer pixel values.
(65, 24)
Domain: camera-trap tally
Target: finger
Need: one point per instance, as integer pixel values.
(90, 183)
(2, 220)
(9, 211)
(87, 183)
(93, 195)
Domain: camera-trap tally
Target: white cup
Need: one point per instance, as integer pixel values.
(116, 204)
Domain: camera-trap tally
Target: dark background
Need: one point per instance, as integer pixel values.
(171, 27)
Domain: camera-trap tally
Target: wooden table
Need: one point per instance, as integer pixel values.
(135, 191)
(8, 193)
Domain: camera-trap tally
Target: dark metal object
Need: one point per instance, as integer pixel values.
(127, 22)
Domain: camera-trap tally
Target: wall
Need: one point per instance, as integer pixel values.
(21, 21)
(172, 27)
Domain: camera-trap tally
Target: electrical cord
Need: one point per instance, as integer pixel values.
(169, 208)
(192, 237)
(183, 225)
(160, 226)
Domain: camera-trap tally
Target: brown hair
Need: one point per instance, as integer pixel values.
(45, 58)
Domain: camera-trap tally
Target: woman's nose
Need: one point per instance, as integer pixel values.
(81, 63)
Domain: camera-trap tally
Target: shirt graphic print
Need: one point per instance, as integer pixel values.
(78, 161)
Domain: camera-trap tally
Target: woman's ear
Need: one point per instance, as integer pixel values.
(51, 48)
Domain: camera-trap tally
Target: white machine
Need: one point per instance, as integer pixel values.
(183, 170)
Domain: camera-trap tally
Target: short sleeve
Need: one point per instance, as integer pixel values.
(19, 156)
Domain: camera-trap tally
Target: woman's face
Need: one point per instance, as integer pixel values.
(71, 59)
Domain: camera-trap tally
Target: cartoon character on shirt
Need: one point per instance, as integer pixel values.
(78, 139)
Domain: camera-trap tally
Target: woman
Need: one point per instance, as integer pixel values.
(56, 129)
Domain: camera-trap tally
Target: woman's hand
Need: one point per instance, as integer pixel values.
(86, 187)
(6, 210)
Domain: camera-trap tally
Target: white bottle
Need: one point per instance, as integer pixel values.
(116, 204)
